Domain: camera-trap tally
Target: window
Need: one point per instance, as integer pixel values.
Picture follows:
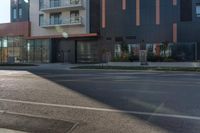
(41, 20)
(54, 3)
(14, 13)
(75, 2)
(117, 50)
(5, 43)
(74, 17)
(55, 18)
(20, 12)
(134, 49)
(198, 9)
(14, 2)
(20, 1)
(41, 4)
(0, 43)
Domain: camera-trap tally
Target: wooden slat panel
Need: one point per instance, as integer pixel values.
(138, 12)
(157, 12)
(174, 2)
(124, 4)
(103, 13)
(175, 32)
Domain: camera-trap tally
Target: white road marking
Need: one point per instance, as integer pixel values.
(177, 116)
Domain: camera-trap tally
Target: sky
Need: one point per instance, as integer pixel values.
(5, 11)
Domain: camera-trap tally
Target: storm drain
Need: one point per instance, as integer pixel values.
(29, 124)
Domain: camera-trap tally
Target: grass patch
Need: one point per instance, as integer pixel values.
(190, 69)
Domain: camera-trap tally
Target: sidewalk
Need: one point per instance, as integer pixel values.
(50, 66)
(66, 66)
(157, 64)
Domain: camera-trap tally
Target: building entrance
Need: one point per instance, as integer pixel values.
(65, 51)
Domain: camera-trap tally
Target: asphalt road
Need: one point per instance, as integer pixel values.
(106, 101)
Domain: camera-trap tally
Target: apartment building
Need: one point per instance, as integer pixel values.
(66, 29)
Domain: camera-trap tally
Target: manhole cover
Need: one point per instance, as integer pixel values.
(13, 123)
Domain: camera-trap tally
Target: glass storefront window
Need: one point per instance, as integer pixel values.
(45, 51)
(117, 50)
(18, 50)
(86, 52)
(0, 43)
(134, 49)
(5, 42)
(38, 51)
(4, 54)
(30, 51)
(0, 50)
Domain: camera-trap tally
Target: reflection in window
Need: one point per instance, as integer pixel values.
(198, 9)
(41, 19)
(16, 50)
(117, 50)
(14, 13)
(54, 3)
(20, 12)
(41, 4)
(55, 18)
(5, 43)
(38, 51)
(74, 2)
(86, 52)
(134, 49)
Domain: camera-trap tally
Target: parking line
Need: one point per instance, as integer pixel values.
(104, 109)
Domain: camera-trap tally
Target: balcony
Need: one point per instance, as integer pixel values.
(71, 21)
(62, 5)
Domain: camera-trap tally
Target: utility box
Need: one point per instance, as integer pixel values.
(143, 57)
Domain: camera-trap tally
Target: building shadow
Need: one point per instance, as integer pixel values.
(123, 95)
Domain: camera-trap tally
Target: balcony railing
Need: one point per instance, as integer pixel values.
(62, 4)
(71, 21)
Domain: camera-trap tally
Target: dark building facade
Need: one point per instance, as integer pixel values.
(19, 10)
(152, 22)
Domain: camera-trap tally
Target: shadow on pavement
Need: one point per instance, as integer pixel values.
(141, 97)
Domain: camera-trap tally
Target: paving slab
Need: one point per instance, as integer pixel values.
(15, 123)
(3, 130)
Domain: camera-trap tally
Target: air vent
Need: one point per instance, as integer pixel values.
(118, 39)
(108, 38)
(130, 37)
